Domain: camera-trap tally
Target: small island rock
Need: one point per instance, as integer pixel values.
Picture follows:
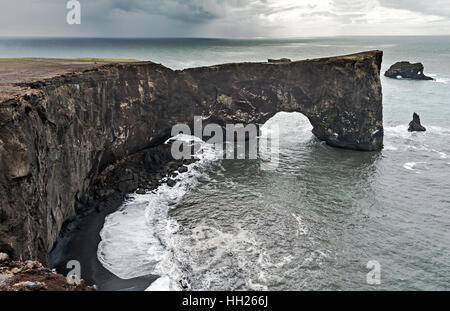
(406, 70)
(414, 125)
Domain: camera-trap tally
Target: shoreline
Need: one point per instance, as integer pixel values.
(79, 238)
(80, 243)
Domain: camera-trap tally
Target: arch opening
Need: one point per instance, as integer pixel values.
(292, 127)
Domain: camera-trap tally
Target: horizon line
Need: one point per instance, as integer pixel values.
(211, 38)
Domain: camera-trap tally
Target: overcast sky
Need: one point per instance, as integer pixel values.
(226, 18)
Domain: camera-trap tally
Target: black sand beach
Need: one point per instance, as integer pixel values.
(79, 239)
(80, 243)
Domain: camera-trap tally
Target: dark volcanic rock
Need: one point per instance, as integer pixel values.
(112, 184)
(140, 191)
(182, 169)
(414, 125)
(406, 70)
(68, 143)
(171, 182)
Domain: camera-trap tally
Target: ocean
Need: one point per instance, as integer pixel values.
(325, 217)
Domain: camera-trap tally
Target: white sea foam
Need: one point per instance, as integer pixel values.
(316, 258)
(256, 286)
(409, 165)
(439, 79)
(301, 229)
(402, 130)
(438, 130)
(163, 283)
(442, 80)
(139, 238)
(388, 147)
(394, 133)
(442, 155)
(398, 130)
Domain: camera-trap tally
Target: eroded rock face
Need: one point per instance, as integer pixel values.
(406, 70)
(59, 134)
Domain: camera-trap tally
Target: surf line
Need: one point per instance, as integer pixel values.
(194, 301)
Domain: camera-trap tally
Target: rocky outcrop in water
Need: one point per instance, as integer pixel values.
(414, 125)
(406, 70)
(62, 128)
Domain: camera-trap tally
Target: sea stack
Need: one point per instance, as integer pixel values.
(406, 70)
(414, 125)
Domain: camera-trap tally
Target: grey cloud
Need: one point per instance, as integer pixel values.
(435, 7)
(349, 11)
(198, 11)
(349, 6)
(190, 11)
(221, 18)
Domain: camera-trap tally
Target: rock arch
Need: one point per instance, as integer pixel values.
(341, 96)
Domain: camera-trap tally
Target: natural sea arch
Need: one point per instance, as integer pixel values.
(341, 96)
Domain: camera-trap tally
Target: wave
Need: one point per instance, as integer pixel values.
(302, 229)
(437, 79)
(442, 80)
(401, 131)
(397, 138)
(139, 239)
(439, 130)
(409, 165)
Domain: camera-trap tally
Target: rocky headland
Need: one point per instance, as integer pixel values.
(77, 135)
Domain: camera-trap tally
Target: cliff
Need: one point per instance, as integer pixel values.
(62, 122)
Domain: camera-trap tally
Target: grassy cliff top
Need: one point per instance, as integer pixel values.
(15, 70)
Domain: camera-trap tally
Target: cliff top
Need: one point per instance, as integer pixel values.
(19, 70)
(25, 70)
